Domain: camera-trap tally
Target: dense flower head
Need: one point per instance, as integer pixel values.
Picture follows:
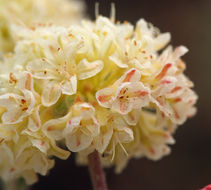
(99, 85)
(14, 13)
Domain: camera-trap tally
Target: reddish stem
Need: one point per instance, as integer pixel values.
(96, 172)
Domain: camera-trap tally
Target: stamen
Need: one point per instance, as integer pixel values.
(123, 148)
(113, 13)
(113, 152)
(96, 10)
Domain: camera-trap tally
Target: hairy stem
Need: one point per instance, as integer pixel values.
(96, 172)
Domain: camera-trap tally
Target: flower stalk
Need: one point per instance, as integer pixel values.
(96, 172)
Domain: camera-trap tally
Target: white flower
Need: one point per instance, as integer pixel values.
(80, 130)
(26, 163)
(99, 86)
(60, 71)
(78, 127)
(18, 105)
(126, 94)
(150, 36)
(32, 161)
(183, 107)
(153, 138)
(16, 15)
(116, 131)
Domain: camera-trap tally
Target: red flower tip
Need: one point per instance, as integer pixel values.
(207, 187)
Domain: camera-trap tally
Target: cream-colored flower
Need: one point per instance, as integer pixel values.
(117, 131)
(100, 86)
(78, 127)
(60, 70)
(153, 137)
(16, 13)
(29, 162)
(127, 93)
(18, 105)
(170, 86)
(21, 159)
(139, 52)
(44, 144)
(150, 36)
(111, 141)
(81, 128)
(26, 152)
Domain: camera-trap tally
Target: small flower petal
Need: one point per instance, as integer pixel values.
(41, 69)
(130, 96)
(77, 141)
(88, 69)
(51, 93)
(105, 97)
(69, 87)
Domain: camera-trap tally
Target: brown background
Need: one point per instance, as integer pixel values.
(189, 165)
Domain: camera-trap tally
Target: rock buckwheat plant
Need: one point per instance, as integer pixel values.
(107, 91)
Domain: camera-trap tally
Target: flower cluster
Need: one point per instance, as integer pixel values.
(95, 86)
(14, 13)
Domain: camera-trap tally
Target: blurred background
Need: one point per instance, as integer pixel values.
(188, 167)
